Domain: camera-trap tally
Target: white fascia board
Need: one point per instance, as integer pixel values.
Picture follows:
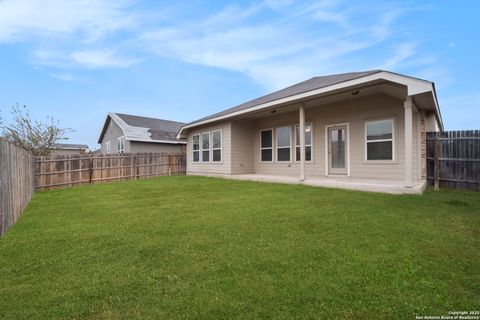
(131, 132)
(118, 121)
(437, 108)
(414, 86)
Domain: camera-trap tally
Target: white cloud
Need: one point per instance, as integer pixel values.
(49, 58)
(329, 12)
(244, 49)
(100, 59)
(274, 42)
(436, 71)
(276, 52)
(278, 4)
(402, 53)
(90, 59)
(63, 76)
(64, 32)
(88, 19)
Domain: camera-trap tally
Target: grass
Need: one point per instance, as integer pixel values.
(205, 248)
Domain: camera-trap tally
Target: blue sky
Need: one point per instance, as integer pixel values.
(179, 60)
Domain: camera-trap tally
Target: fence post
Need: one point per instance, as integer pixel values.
(134, 166)
(90, 167)
(436, 163)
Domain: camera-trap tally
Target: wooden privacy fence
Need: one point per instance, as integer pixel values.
(16, 183)
(453, 159)
(61, 171)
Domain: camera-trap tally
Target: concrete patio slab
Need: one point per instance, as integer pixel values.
(338, 182)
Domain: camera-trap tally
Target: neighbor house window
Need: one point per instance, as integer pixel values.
(217, 146)
(266, 145)
(283, 143)
(205, 146)
(108, 147)
(121, 144)
(196, 148)
(308, 142)
(379, 139)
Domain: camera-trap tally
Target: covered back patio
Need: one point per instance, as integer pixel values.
(365, 133)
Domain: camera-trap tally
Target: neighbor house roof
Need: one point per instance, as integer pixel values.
(70, 146)
(143, 129)
(321, 85)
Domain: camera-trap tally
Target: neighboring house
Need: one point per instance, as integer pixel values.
(127, 133)
(69, 149)
(361, 130)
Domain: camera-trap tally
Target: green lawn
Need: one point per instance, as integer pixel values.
(205, 248)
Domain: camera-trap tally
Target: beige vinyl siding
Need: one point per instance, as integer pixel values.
(136, 146)
(242, 146)
(241, 140)
(274, 167)
(211, 167)
(111, 134)
(355, 112)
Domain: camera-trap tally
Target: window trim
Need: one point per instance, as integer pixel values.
(277, 147)
(193, 150)
(108, 147)
(310, 145)
(121, 140)
(209, 147)
(221, 146)
(366, 142)
(268, 148)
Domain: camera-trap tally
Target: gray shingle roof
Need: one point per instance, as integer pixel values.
(159, 129)
(305, 86)
(70, 146)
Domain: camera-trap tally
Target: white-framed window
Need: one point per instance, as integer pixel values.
(380, 140)
(284, 152)
(205, 146)
(217, 146)
(266, 145)
(108, 146)
(308, 142)
(196, 147)
(121, 144)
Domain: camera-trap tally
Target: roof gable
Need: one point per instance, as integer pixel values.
(144, 129)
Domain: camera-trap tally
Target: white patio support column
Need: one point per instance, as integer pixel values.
(302, 142)
(408, 106)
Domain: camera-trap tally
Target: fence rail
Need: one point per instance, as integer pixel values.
(453, 159)
(16, 183)
(60, 171)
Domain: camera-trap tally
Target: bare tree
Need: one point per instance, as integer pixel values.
(38, 138)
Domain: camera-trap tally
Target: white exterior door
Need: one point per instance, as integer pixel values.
(337, 150)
